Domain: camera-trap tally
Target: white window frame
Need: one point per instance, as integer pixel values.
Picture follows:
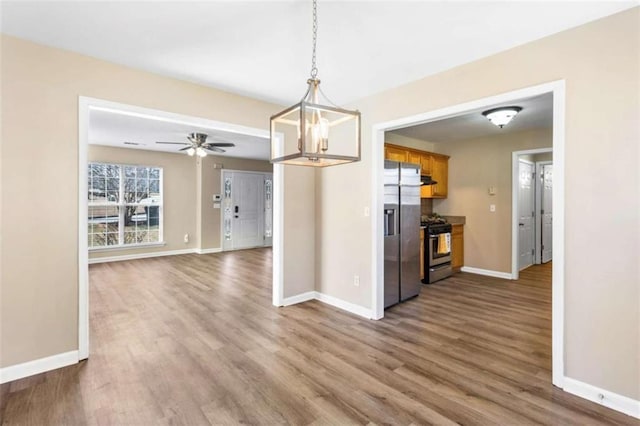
(121, 204)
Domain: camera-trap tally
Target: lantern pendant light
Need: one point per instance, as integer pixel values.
(315, 132)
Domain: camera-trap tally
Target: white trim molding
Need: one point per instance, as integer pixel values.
(208, 250)
(140, 256)
(300, 298)
(153, 254)
(486, 272)
(37, 366)
(345, 306)
(329, 300)
(623, 404)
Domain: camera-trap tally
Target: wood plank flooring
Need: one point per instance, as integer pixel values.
(194, 339)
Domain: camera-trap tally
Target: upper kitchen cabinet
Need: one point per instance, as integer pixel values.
(431, 164)
(395, 153)
(414, 157)
(439, 173)
(426, 164)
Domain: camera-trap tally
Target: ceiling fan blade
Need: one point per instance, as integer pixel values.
(185, 148)
(226, 144)
(214, 149)
(174, 143)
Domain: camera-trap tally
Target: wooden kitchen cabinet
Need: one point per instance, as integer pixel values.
(426, 164)
(395, 153)
(439, 173)
(457, 247)
(431, 164)
(413, 157)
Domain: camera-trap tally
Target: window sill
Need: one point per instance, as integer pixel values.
(127, 247)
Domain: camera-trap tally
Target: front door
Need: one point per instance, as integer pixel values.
(547, 212)
(244, 222)
(526, 229)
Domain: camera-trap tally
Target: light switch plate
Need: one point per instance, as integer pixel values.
(492, 208)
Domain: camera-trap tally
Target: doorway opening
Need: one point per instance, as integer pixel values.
(532, 209)
(145, 214)
(247, 209)
(557, 90)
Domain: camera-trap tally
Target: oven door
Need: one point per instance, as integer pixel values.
(436, 258)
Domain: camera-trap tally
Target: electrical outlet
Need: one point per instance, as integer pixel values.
(356, 280)
(492, 208)
(186, 238)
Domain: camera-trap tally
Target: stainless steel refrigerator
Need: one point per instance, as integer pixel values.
(401, 232)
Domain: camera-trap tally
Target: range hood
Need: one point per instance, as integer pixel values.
(426, 180)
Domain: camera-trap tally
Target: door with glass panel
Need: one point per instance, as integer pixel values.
(247, 209)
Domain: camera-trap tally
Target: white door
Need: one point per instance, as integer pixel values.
(248, 210)
(547, 212)
(247, 215)
(526, 228)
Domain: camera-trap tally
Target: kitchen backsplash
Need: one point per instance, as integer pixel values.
(426, 206)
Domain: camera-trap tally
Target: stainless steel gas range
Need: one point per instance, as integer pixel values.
(437, 251)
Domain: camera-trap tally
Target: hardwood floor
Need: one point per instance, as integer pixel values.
(194, 339)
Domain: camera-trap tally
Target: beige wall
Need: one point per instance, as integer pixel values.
(300, 219)
(40, 90)
(179, 193)
(396, 139)
(474, 166)
(211, 179)
(600, 64)
(545, 156)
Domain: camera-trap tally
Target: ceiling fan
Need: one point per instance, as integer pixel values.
(198, 145)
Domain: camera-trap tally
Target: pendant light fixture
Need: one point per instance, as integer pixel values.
(315, 131)
(502, 116)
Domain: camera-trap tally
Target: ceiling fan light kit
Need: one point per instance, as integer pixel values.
(315, 132)
(502, 116)
(199, 145)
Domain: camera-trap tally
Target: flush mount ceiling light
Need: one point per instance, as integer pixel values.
(315, 132)
(502, 116)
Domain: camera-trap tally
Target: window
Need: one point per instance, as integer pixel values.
(125, 205)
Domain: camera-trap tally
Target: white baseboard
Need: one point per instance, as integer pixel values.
(304, 297)
(329, 300)
(346, 306)
(37, 366)
(208, 250)
(486, 272)
(623, 404)
(140, 256)
(153, 254)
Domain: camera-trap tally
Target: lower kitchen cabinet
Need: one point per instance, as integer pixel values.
(457, 247)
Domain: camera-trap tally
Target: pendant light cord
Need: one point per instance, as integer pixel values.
(314, 68)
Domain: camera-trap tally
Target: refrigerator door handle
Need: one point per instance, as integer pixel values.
(390, 226)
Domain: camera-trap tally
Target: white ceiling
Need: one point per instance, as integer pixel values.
(262, 48)
(114, 129)
(537, 112)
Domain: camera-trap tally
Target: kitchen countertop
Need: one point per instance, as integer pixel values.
(456, 220)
